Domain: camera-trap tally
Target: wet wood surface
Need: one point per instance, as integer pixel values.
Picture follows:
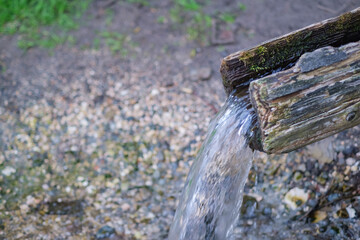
(314, 99)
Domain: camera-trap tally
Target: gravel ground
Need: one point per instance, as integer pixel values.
(97, 146)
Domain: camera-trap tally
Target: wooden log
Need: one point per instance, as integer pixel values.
(240, 68)
(316, 98)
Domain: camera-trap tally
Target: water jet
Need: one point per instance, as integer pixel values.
(282, 95)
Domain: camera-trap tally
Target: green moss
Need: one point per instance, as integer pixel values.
(257, 69)
(261, 50)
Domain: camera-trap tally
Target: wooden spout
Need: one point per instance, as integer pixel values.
(318, 97)
(240, 68)
(304, 86)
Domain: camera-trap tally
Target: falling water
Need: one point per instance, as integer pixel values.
(212, 196)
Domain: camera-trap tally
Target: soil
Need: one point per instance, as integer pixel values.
(159, 93)
(261, 21)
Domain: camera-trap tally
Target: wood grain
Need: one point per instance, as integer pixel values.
(316, 98)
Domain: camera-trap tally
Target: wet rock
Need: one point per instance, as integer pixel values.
(340, 158)
(342, 213)
(350, 161)
(319, 216)
(351, 212)
(267, 211)
(350, 151)
(105, 232)
(295, 198)
(312, 202)
(125, 207)
(312, 167)
(249, 206)
(322, 150)
(333, 197)
(298, 176)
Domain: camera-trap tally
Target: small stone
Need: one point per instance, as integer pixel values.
(7, 171)
(31, 201)
(298, 176)
(295, 198)
(319, 216)
(155, 92)
(350, 161)
(105, 232)
(351, 212)
(249, 206)
(156, 174)
(91, 189)
(187, 90)
(312, 202)
(221, 33)
(301, 167)
(156, 209)
(350, 150)
(24, 208)
(160, 156)
(342, 213)
(137, 235)
(341, 156)
(267, 211)
(203, 73)
(125, 207)
(193, 75)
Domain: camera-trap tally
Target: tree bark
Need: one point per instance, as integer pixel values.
(314, 99)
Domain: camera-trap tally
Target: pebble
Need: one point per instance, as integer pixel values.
(125, 207)
(203, 73)
(350, 150)
(7, 171)
(105, 232)
(155, 92)
(341, 156)
(350, 161)
(302, 167)
(267, 211)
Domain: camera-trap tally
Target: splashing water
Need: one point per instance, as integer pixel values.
(212, 196)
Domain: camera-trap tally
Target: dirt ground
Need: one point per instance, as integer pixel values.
(97, 146)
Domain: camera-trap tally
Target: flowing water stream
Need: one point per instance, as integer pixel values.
(212, 197)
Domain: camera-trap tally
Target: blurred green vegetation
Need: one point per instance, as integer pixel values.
(190, 14)
(27, 18)
(46, 23)
(116, 42)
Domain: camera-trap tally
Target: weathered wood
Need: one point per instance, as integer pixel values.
(238, 69)
(316, 98)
